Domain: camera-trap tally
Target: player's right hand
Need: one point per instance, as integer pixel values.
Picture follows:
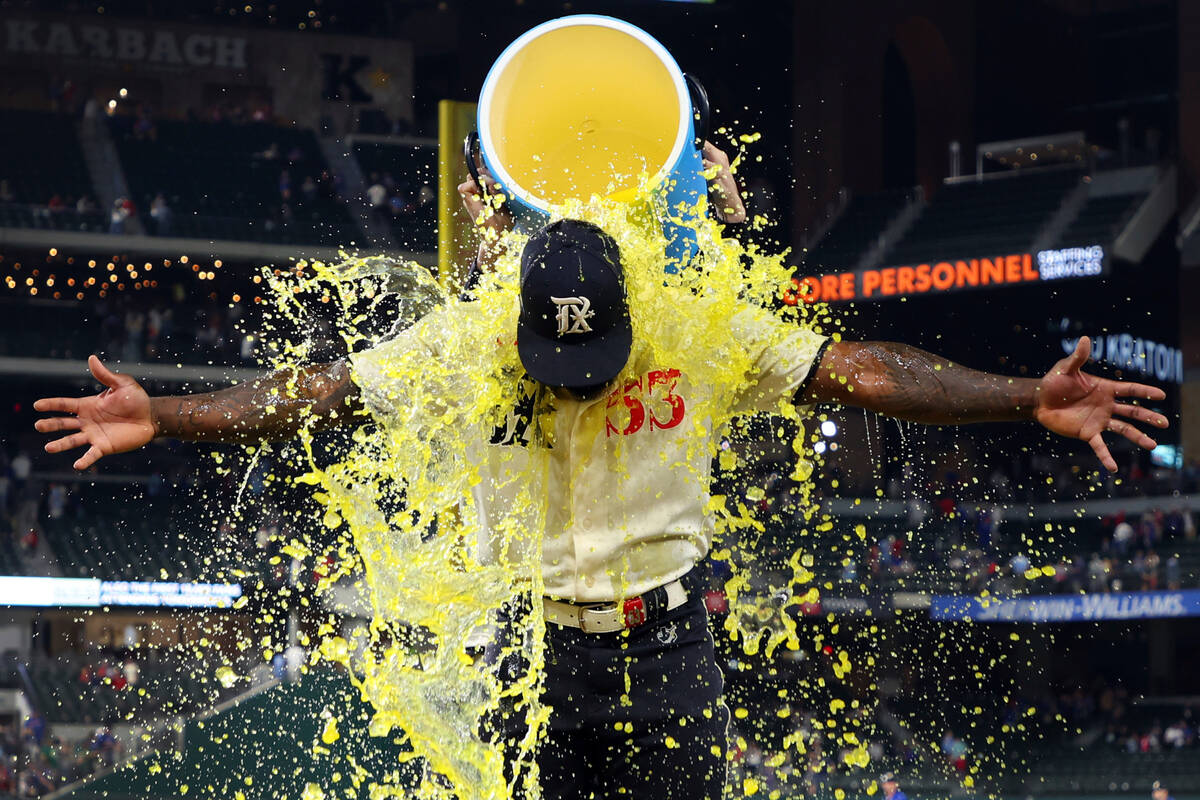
(117, 420)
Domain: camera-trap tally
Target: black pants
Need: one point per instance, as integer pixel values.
(635, 714)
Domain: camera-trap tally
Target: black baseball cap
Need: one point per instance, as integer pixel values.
(574, 328)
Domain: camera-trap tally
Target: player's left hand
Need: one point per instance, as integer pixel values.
(723, 191)
(1072, 403)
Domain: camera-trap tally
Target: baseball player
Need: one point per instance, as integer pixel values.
(631, 673)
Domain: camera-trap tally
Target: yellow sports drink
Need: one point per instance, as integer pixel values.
(589, 105)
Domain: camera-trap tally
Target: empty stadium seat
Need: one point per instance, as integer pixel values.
(164, 541)
(984, 218)
(856, 230)
(1098, 220)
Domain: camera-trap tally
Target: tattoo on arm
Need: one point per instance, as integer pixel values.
(273, 408)
(910, 384)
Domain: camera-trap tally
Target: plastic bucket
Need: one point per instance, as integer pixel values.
(585, 105)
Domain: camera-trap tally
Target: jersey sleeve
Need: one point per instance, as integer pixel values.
(384, 372)
(785, 357)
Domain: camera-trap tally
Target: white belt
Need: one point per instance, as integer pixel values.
(609, 617)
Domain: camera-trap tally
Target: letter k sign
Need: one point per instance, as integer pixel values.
(339, 72)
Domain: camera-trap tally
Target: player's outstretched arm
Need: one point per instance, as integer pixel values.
(910, 384)
(123, 417)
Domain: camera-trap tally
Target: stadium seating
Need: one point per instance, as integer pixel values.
(161, 542)
(42, 158)
(855, 230)
(10, 560)
(226, 181)
(1097, 222)
(164, 688)
(992, 217)
(1102, 769)
(119, 330)
(278, 731)
(411, 168)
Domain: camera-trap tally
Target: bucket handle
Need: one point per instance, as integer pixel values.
(470, 154)
(701, 111)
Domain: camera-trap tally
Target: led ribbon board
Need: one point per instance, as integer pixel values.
(1068, 608)
(944, 277)
(93, 593)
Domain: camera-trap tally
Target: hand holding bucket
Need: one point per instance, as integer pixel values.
(586, 105)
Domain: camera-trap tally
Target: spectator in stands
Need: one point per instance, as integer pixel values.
(85, 205)
(6, 192)
(377, 196)
(21, 468)
(1176, 735)
(54, 206)
(955, 750)
(285, 185)
(331, 184)
(1122, 536)
(1159, 792)
(1147, 531)
(1150, 568)
(104, 745)
(118, 216)
(293, 659)
(37, 779)
(162, 215)
(1172, 574)
(850, 571)
(891, 788)
(56, 501)
(130, 667)
(308, 189)
(34, 730)
(1097, 574)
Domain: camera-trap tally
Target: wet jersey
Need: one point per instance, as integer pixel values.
(627, 472)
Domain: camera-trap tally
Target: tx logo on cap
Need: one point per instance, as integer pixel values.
(574, 327)
(573, 314)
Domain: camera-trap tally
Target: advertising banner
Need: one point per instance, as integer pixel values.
(92, 593)
(950, 275)
(309, 77)
(1068, 608)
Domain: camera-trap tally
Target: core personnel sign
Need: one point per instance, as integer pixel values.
(947, 276)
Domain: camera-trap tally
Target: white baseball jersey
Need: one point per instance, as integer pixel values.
(628, 471)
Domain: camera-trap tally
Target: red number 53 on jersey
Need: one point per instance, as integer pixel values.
(646, 401)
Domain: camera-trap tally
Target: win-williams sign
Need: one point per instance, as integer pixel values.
(942, 277)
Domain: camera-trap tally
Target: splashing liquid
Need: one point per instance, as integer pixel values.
(434, 571)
